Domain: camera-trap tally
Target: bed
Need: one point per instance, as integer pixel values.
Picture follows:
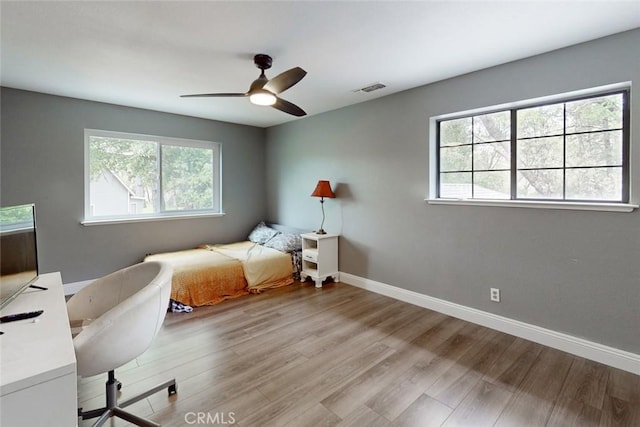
(212, 273)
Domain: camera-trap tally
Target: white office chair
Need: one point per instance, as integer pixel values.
(121, 314)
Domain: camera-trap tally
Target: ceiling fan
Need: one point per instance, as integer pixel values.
(264, 91)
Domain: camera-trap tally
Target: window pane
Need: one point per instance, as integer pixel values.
(492, 156)
(455, 158)
(123, 175)
(595, 149)
(133, 176)
(455, 185)
(492, 185)
(492, 127)
(187, 182)
(540, 184)
(541, 121)
(540, 153)
(572, 149)
(595, 184)
(595, 114)
(455, 132)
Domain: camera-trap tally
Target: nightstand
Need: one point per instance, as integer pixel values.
(319, 257)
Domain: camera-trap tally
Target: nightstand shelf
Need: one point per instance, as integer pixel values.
(319, 257)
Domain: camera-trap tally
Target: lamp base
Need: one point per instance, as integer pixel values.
(321, 231)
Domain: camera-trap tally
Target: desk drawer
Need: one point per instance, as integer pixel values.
(310, 255)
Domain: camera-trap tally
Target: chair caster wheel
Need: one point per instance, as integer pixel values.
(173, 389)
(119, 387)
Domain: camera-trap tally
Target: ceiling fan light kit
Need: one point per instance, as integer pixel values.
(262, 97)
(264, 91)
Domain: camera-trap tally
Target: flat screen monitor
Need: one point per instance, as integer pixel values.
(18, 251)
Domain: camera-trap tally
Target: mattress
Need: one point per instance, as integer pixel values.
(212, 273)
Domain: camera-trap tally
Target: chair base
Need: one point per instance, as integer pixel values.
(115, 409)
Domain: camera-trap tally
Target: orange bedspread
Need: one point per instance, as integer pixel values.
(203, 277)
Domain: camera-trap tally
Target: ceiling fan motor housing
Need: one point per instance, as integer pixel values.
(262, 61)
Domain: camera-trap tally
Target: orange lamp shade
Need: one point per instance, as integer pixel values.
(323, 189)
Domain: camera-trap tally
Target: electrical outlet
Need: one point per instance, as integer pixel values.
(495, 294)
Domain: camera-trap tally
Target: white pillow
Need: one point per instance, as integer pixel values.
(285, 242)
(262, 233)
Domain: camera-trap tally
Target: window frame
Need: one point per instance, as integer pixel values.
(624, 204)
(162, 213)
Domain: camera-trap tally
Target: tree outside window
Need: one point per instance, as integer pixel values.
(572, 150)
(135, 175)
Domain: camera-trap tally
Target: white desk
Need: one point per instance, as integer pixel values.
(37, 361)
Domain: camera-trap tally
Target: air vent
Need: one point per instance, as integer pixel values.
(371, 88)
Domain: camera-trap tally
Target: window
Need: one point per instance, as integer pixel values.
(574, 149)
(130, 176)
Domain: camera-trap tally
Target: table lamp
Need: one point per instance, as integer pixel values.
(323, 189)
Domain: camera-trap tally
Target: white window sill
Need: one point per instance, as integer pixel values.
(581, 206)
(104, 221)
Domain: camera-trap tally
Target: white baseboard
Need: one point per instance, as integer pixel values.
(72, 288)
(578, 346)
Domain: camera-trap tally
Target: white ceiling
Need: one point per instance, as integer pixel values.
(146, 53)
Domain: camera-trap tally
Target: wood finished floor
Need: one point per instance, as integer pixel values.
(342, 356)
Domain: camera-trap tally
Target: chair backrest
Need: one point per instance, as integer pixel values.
(123, 312)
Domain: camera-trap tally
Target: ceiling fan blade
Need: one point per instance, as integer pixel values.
(288, 107)
(284, 81)
(258, 83)
(214, 95)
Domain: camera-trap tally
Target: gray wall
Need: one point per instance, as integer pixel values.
(571, 271)
(43, 163)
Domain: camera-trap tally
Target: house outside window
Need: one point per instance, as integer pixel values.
(132, 176)
(571, 149)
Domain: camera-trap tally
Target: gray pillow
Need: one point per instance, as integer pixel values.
(285, 242)
(262, 233)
